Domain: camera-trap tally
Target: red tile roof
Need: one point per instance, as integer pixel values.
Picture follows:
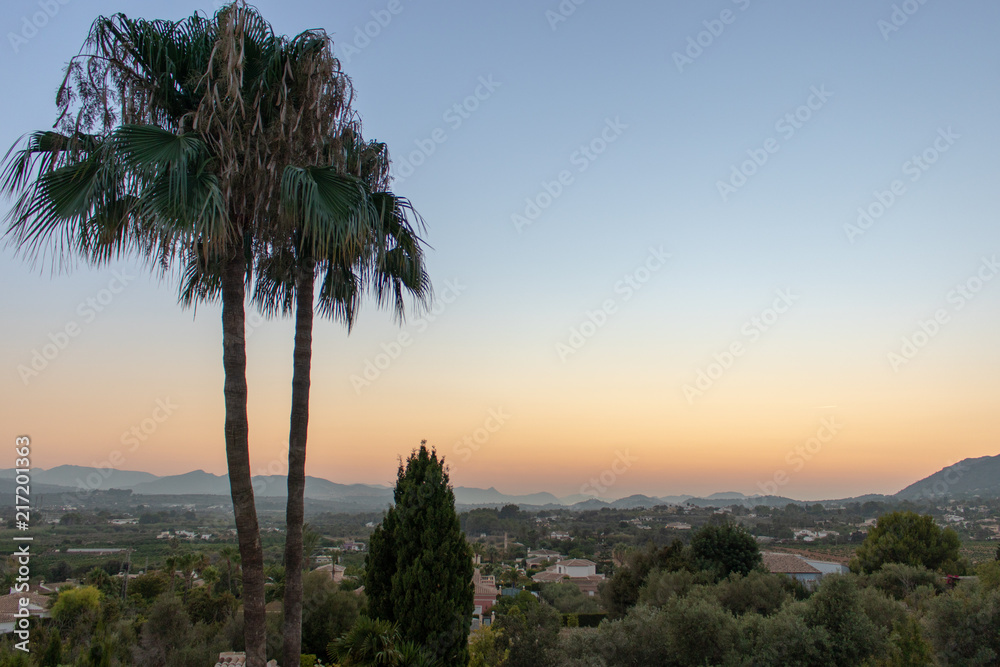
(787, 564)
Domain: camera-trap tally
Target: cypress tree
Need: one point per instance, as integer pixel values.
(418, 571)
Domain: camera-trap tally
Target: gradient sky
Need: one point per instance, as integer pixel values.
(813, 399)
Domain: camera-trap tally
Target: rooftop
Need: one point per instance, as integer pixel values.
(787, 564)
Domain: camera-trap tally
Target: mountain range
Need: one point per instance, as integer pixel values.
(967, 478)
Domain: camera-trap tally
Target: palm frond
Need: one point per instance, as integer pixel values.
(330, 211)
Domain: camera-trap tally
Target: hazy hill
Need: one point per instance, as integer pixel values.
(78, 477)
(638, 500)
(728, 499)
(969, 477)
(319, 488)
(465, 495)
(8, 487)
(190, 483)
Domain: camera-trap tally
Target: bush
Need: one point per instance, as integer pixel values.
(166, 632)
(836, 607)
(908, 647)
(662, 585)
(327, 612)
(962, 626)
(568, 598)
(590, 620)
(620, 592)
(758, 592)
(783, 638)
(640, 638)
(699, 631)
(486, 648)
(577, 648)
(881, 610)
(989, 575)
(149, 585)
(529, 629)
(898, 580)
(77, 607)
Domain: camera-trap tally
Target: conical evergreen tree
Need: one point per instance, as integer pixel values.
(418, 572)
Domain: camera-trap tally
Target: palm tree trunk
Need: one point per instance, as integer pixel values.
(234, 360)
(298, 429)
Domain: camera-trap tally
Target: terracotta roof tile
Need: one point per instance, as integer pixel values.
(787, 564)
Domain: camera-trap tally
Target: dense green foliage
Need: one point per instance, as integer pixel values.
(908, 538)
(568, 599)
(527, 629)
(419, 566)
(328, 612)
(378, 642)
(725, 549)
(848, 620)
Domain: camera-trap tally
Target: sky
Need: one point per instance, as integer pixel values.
(680, 247)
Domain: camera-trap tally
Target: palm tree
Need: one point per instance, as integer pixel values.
(477, 549)
(211, 575)
(276, 580)
(368, 642)
(191, 138)
(187, 563)
(387, 264)
(310, 545)
(171, 564)
(512, 575)
(229, 554)
(372, 642)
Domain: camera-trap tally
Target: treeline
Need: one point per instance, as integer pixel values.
(183, 614)
(712, 603)
(902, 615)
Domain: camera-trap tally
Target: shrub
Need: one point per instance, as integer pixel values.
(962, 626)
(898, 580)
(700, 631)
(837, 608)
(757, 592)
(989, 575)
(783, 638)
(662, 585)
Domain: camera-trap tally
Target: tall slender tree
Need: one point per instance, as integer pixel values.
(418, 572)
(230, 555)
(193, 139)
(387, 265)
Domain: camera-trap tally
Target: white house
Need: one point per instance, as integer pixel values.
(576, 567)
(10, 606)
(579, 571)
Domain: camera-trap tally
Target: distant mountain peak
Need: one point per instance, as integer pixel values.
(969, 477)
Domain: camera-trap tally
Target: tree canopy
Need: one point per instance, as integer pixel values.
(725, 548)
(908, 538)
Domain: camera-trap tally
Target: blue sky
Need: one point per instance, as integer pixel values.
(512, 296)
